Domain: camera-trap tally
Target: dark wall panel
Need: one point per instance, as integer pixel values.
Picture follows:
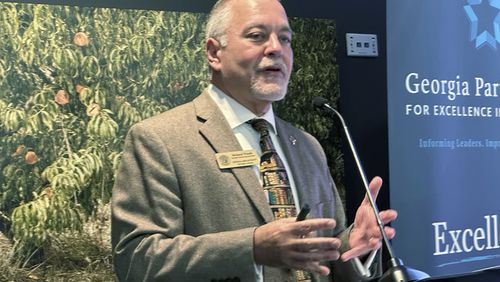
(363, 99)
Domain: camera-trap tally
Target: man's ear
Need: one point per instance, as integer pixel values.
(212, 48)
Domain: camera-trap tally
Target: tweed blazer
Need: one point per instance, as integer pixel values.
(176, 216)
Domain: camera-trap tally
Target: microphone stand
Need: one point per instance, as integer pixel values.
(396, 272)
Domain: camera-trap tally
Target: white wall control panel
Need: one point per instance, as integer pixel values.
(361, 45)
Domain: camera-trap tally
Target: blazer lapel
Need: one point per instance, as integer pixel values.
(219, 135)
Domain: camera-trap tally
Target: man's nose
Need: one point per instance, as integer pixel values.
(274, 46)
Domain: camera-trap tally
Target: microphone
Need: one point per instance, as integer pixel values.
(396, 271)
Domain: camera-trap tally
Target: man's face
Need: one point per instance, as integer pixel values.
(256, 63)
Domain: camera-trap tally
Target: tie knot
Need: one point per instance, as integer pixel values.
(260, 125)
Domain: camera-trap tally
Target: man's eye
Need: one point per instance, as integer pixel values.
(286, 39)
(256, 36)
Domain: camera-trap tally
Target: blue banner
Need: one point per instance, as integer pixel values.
(444, 132)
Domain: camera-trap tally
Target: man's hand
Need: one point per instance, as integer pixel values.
(365, 235)
(289, 244)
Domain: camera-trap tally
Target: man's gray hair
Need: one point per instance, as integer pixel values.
(218, 21)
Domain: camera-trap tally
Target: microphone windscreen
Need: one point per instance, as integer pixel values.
(319, 102)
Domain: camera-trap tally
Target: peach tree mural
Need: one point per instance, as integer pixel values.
(74, 79)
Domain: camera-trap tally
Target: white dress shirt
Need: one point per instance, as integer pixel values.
(237, 116)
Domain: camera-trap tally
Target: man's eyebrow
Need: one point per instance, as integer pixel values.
(264, 27)
(287, 29)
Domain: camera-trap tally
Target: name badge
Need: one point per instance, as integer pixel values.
(237, 159)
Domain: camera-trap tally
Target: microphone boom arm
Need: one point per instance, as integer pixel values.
(365, 180)
(396, 272)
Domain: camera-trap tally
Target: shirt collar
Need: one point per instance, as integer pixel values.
(235, 113)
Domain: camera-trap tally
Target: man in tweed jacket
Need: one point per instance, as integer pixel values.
(177, 215)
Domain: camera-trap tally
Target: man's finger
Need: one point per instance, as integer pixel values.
(388, 216)
(375, 186)
(390, 232)
(303, 228)
(352, 253)
(314, 267)
(359, 251)
(315, 244)
(315, 256)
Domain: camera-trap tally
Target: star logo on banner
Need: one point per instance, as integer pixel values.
(484, 17)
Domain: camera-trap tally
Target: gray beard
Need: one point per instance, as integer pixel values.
(269, 95)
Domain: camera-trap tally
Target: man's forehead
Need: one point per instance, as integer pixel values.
(255, 8)
(260, 15)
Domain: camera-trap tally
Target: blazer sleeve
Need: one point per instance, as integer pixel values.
(148, 238)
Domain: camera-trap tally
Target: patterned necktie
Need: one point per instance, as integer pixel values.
(275, 183)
